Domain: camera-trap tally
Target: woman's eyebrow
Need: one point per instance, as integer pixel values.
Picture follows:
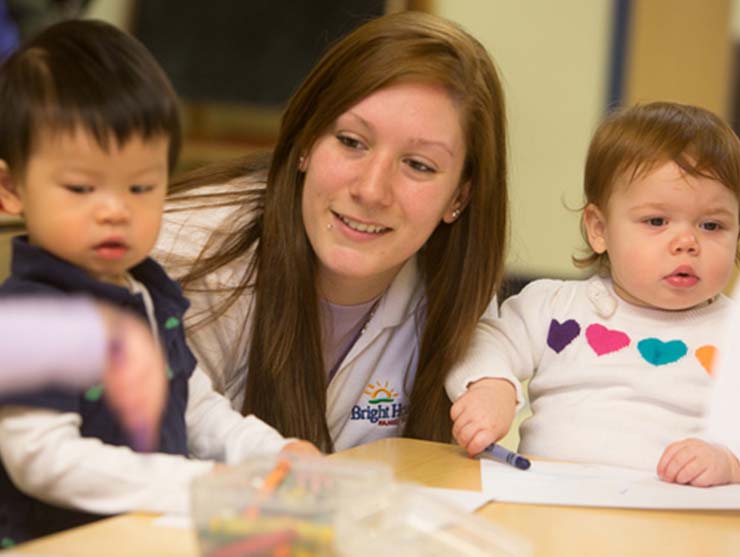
(418, 140)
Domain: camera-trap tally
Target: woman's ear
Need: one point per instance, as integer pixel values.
(10, 201)
(458, 204)
(303, 162)
(594, 222)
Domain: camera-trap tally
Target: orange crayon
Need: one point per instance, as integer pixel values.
(270, 484)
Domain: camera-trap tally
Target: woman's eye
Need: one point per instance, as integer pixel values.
(141, 189)
(420, 166)
(349, 141)
(75, 188)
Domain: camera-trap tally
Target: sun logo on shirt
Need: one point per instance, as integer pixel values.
(380, 393)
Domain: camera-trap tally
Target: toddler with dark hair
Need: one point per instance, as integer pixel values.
(90, 134)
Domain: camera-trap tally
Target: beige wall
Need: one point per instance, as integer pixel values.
(679, 50)
(553, 58)
(117, 12)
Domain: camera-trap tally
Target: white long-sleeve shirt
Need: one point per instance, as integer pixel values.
(46, 457)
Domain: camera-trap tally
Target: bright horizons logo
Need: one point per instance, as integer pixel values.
(381, 408)
(380, 393)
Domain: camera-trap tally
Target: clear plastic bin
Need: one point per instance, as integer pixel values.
(407, 522)
(279, 507)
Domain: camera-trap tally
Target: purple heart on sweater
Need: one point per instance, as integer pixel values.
(562, 334)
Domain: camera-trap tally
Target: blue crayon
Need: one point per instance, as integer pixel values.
(497, 452)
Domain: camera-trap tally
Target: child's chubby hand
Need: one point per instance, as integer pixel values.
(483, 415)
(135, 378)
(303, 448)
(698, 463)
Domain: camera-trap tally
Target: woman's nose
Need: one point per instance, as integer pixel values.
(374, 184)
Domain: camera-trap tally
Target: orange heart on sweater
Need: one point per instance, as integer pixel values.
(705, 354)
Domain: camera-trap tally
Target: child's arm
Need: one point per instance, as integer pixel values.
(485, 386)
(699, 463)
(73, 350)
(217, 431)
(46, 457)
(84, 342)
(484, 402)
(480, 358)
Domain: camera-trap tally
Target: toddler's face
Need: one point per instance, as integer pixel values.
(671, 238)
(98, 210)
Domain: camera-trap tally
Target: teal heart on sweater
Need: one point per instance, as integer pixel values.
(659, 353)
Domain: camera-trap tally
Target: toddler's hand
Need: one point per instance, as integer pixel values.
(300, 448)
(698, 463)
(135, 380)
(483, 415)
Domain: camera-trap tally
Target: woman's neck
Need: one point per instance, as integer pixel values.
(350, 291)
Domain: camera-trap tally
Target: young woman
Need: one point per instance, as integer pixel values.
(336, 285)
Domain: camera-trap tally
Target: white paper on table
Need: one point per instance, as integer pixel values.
(594, 485)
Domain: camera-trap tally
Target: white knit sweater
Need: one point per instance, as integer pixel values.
(609, 382)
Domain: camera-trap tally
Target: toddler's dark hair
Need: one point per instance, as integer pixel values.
(86, 74)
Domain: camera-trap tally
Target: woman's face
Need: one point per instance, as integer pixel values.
(378, 182)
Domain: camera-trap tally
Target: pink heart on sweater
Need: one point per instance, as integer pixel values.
(604, 341)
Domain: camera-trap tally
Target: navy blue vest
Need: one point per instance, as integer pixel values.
(36, 271)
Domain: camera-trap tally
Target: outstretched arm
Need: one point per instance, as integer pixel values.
(75, 342)
(217, 431)
(486, 386)
(60, 341)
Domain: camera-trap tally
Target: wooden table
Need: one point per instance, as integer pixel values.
(565, 531)
(553, 531)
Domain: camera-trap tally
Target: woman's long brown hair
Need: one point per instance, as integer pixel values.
(461, 263)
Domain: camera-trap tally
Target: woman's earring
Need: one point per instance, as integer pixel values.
(455, 214)
(302, 163)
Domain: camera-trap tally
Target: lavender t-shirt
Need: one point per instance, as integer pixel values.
(341, 327)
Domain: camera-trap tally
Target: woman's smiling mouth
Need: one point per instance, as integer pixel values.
(358, 226)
